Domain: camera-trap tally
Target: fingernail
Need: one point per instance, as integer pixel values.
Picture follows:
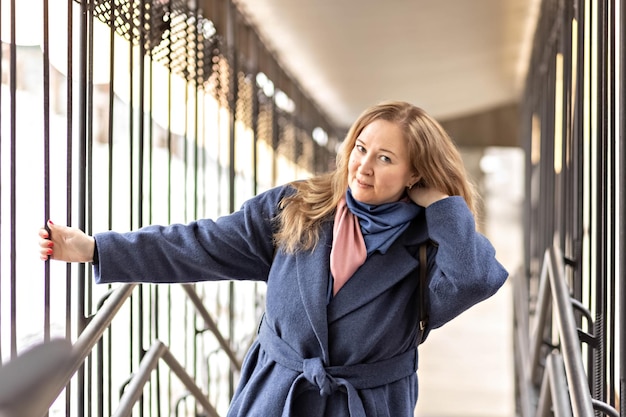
(50, 221)
(49, 251)
(50, 244)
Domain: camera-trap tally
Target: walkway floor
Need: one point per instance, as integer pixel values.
(466, 367)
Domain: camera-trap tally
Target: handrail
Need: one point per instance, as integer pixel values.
(566, 393)
(554, 399)
(527, 397)
(570, 344)
(41, 397)
(58, 373)
(24, 379)
(134, 390)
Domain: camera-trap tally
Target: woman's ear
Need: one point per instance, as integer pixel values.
(415, 179)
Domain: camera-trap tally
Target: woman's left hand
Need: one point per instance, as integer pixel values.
(425, 196)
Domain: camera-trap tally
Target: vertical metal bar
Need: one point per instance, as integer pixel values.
(106, 375)
(46, 151)
(153, 296)
(611, 209)
(142, 125)
(141, 327)
(622, 206)
(1, 159)
(169, 181)
(578, 152)
(92, 362)
(131, 165)
(599, 374)
(82, 156)
(254, 47)
(12, 214)
(586, 20)
(69, 181)
(232, 103)
(199, 41)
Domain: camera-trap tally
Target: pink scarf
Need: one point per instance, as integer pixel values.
(348, 252)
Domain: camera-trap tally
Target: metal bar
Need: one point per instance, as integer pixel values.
(24, 379)
(206, 316)
(69, 302)
(46, 202)
(81, 349)
(82, 157)
(599, 372)
(544, 405)
(604, 408)
(570, 346)
(561, 406)
(134, 390)
(527, 396)
(231, 39)
(150, 360)
(13, 186)
(554, 399)
(611, 205)
(177, 368)
(46, 140)
(543, 307)
(622, 208)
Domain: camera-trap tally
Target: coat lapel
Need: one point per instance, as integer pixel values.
(375, 276)
(378, 273)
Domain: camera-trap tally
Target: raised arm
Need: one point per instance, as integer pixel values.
(464, 269)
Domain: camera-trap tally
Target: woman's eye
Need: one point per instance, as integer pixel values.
(360, 148)
(385, 158)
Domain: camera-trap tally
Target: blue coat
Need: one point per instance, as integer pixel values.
(353, 356)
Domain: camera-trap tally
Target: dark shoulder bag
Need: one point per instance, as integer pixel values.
(423, 287)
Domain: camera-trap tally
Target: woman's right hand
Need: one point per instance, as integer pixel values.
(63, 243)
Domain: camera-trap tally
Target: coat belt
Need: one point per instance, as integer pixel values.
(329, 379)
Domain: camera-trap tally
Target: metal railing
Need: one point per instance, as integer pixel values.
(552, 380)
(56, 362)
(118, 114)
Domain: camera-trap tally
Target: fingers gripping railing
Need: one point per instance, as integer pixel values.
(564, 389)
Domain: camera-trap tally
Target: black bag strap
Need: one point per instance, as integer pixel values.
(423, 318)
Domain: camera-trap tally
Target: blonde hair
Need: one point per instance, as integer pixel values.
(433, 155)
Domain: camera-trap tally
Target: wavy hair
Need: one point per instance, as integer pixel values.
(433, 155)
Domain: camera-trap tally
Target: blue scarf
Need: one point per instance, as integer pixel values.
(382, 224)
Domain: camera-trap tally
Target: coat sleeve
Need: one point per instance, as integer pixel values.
(238, 246)
(464, 270)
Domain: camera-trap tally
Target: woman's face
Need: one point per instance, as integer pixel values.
(379, 169)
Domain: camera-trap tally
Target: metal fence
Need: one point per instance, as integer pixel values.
(574, 130)
(114, 115)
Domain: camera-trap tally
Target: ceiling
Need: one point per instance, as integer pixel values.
(454, 58)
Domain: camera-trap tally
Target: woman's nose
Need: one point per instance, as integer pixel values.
(366, 167)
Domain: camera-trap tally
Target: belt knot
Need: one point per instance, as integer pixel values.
(315, 373)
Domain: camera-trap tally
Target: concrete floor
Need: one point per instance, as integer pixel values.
(467, 367)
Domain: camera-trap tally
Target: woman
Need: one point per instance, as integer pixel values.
(339, 255)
